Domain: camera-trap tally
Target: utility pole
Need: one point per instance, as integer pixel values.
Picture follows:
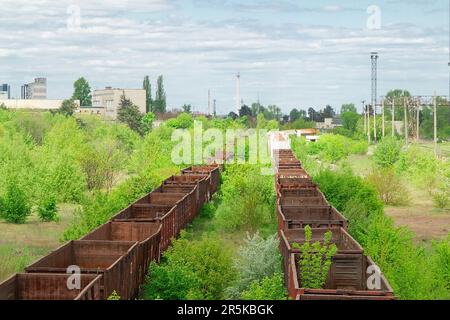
(364, 112)
(214, 108)
(393, 117)
(382, 110)
(418, 119)
(209, 102)
(374, 60)
(406, 120)
(238, 93)
(435, 124)
(368, 123)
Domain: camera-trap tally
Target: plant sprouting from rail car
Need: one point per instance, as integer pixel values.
(315, 260)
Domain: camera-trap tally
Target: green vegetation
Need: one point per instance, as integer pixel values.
(248, 199)
(257, 261)
(14, 207)
(47, 209)
(269, 288)
(315, 260)
(387, 152)
(414, 271)
(191, 270)
(332, 147)
(216, 242)
(82, 92)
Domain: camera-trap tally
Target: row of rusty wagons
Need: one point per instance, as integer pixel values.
(115, 257)
(300, 203)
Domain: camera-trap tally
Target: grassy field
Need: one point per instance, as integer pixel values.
(419, 215)
(22, 244)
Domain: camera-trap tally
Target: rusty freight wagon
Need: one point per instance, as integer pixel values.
(200, 180)
(114, 260)
(148, 235)
(347, 268)
(48, 286)
(212, 170)
(316, 216)
(188, 204)
(361, 291)
(310, 191)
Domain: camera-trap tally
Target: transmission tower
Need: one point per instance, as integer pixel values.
(374, 60)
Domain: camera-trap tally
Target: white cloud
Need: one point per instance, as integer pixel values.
(286, 63)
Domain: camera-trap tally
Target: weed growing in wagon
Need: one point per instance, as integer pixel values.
(315, 260)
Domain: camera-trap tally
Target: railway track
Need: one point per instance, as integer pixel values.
(115, 256)
(353, 275)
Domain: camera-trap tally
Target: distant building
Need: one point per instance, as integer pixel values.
(106, 102)
(34, 104)
(5, 91)
(329, 124)
(36, 90)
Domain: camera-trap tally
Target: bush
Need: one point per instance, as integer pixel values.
(441, 199)
(387, 152)
(15, 207)
(256, 260)
(315, 260)
(389, 187)
(183, 121)
(269, 288)
(353, 196)
(191, 270)
(247, 199)
(47, 209)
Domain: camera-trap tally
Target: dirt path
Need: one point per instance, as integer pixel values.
(425, 224)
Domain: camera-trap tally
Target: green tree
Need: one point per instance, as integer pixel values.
(350, 120)
(129, 114)
(349, 107)
(47, 209)
(315, 260)
(82, 92)
(294, 115)
(160, 104)
(148, 94)
(67, 108)
(269, 288)
(187, 108)
(14, 207)
(147, 122)
(387, 152)
(245, 111)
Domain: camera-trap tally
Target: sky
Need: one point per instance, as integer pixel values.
(290, 53)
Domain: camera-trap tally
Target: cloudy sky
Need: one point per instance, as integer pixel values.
(293, 53)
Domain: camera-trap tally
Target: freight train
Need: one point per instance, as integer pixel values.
(300, 203)
(115, 256)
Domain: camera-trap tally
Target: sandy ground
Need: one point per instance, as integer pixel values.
(425, 224)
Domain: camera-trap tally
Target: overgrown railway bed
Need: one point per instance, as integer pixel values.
(353, 275)
(115, 257)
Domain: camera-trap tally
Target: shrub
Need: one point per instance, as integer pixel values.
(114, 296)
(191, 270)
(315, 260)
(47, 209)
(387, 152)
(389, 187)
(247, 199)
(256, 260)
(441, 199)
(269, 288)
(15, 207)
(183, 121)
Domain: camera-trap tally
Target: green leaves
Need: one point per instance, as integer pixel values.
(15, 206)
(191, 270)
(315, 260)
(387, 152)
